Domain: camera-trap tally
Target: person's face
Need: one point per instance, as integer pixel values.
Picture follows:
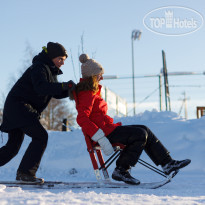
(99, 77)
(59, 61)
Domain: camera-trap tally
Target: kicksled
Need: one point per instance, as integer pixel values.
(86, 185)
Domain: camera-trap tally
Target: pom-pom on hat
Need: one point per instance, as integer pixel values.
(55, 50)
(89, 66)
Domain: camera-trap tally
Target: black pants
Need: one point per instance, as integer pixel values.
(138, 138)
(32, 157)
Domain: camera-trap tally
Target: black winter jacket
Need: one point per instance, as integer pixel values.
(32, 93)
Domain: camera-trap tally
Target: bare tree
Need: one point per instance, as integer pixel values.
(27, 61)
(53, 115)
(1, 115)
(81, 49)
(2, 99)
(1, 106)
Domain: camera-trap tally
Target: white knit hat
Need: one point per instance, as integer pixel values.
(89, 66)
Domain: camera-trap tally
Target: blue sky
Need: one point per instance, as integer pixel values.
(106, 27)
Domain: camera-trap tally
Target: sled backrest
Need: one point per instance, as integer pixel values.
(97, 158)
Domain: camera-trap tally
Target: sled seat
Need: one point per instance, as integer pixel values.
(99, 165)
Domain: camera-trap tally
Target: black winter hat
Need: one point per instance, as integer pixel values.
(56, 49)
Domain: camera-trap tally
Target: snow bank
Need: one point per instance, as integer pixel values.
(66, 158)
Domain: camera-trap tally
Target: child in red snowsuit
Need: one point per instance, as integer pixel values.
(93, 119)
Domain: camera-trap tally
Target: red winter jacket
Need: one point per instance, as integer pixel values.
(92, 111)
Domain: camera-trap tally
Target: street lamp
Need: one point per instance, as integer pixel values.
(136, 34)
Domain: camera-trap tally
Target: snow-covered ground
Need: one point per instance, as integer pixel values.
(66, 159)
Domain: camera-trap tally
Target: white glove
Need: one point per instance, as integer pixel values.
(105, 144)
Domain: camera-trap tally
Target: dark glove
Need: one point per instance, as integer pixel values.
(70, 85)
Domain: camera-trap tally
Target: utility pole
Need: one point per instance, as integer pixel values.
(160, 92)
(184, 103)
(166, 84)
(136, 34)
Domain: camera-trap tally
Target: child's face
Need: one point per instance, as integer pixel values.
(99, 77)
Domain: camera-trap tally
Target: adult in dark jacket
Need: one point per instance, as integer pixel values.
(24, 104)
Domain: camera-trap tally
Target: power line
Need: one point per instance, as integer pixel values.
(148, 96)
(113, 77)
(197, 86)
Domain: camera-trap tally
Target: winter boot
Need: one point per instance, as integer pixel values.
(26, 178)
(174, 165)
(121, 174)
